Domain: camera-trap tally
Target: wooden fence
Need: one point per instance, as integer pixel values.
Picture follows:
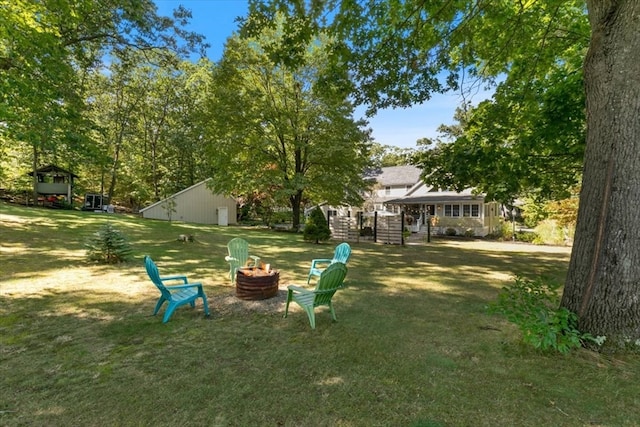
(344, 228)
(387, 229)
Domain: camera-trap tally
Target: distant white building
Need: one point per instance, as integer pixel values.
(196, 204)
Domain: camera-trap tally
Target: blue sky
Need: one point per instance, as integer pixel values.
(215, 19)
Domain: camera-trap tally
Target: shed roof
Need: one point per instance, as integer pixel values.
(53, 168)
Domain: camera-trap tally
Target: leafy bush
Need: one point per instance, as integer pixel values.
(450, 231)
(280, 217)
(532, 305)
(526, 236)
(108, 246)
(549, 232)
(316, 228)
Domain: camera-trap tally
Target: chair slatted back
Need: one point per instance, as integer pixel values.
(239, 249)
(154, 275)
(330, 281)
(342, 253)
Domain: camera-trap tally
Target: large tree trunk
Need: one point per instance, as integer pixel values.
(34, 179)
(296, 200)
(603, 282)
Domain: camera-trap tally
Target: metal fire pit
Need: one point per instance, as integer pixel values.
(256, 284)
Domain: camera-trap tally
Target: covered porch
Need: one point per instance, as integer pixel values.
(450, 213)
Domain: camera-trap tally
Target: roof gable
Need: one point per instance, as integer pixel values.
(52, 169)
(396, 175)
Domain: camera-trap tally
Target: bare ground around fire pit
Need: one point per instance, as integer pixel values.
(229, 304)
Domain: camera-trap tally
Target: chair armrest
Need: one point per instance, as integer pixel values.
(177, 277)
(315, 262)
(188, 285)
(327, 291)
(295, 288)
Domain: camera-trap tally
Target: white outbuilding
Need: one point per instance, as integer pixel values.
(196, 204)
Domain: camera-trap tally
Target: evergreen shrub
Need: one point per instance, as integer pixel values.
(108, 246)
(316, 228)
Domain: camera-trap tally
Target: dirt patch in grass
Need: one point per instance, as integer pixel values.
(229, 304)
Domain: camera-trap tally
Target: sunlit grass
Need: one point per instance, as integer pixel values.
(413, 345)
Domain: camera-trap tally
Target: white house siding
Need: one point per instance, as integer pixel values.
(196, 204)
(420, 197)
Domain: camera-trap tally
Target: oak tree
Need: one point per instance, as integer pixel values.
(273, 132)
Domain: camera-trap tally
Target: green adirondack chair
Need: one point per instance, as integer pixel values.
(238, 256)
(331, 279)
(175, 295)
(340, 254)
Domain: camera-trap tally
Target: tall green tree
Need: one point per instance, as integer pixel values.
(46, 48)
(117, 104)
(273, 132)
(397, 50)
(149, 109)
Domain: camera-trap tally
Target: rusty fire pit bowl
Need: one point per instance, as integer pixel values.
(256, 284)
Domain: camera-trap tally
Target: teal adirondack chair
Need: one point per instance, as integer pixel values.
(331, 279)
(341, 254)
(175, 295)
(238, 256)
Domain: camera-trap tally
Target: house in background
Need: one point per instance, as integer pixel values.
(465, 212)
(196, 204)
(400, 189)
(390, 183)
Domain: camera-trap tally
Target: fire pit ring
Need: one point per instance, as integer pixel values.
(256, 284)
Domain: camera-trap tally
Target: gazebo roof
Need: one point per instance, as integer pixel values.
(53, 168)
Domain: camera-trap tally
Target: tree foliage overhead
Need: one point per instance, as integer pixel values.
(274, 132)
(398, 50)
(529, 139)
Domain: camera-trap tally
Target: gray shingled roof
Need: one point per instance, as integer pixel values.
(396, 175)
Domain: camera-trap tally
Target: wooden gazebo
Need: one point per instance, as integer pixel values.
(52, 182)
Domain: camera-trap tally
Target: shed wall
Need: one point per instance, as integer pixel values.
(197, 205)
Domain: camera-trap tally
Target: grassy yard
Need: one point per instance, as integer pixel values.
(413, 345)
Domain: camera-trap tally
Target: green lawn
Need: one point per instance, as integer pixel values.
(413, 345)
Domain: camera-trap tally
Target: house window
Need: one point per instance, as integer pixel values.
(465, 210)
(471, 211)
(387, 191)
(452, 210)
